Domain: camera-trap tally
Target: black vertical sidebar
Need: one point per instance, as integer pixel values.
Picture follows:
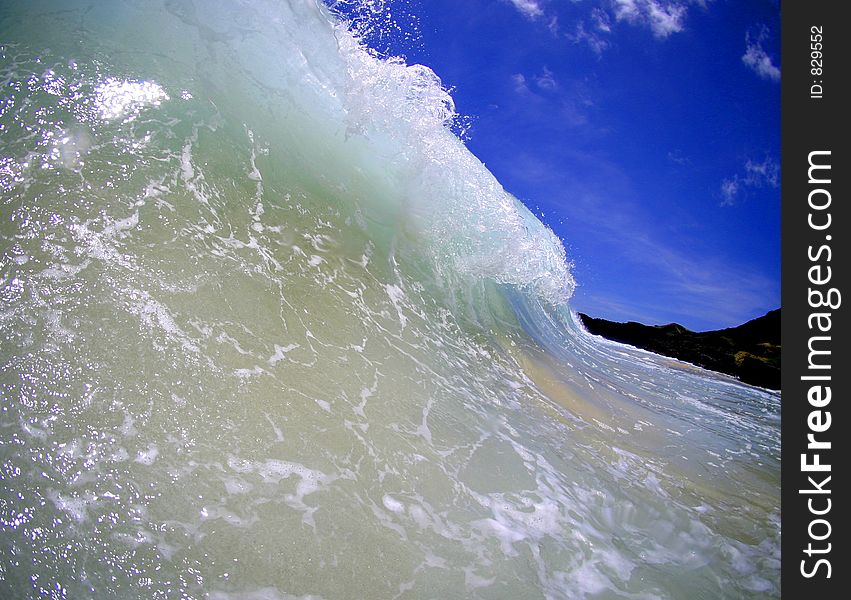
(816, 300)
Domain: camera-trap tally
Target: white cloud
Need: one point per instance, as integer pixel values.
(757, 58)
(595, 38)
(627, 9)
(729, 191)
(766, 173)
(664, 18)
(531, 9)
(553, 25)
(678, 158)
(601, 20)
(755, 175)
(595, 33)
(702, 285)
(546, 80)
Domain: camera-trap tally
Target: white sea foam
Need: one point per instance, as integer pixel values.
(247, 347)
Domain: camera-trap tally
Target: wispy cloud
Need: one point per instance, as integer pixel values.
(678, 158)
(593, 23)
(664, 18)
(676, 273)
(715, 300)
(594, 38)
(697, 290)
(545, 82)
(729, 191)
(531, 9)
(756, 58)
(766, 172)
(613, 309)
(601, 20)
(519, 81)
(553, 25)
(755, 175)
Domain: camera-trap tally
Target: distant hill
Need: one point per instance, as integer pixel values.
(750, 352)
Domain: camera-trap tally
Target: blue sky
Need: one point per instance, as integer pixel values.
(645, 133)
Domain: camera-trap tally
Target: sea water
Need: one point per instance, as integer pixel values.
(269, 330)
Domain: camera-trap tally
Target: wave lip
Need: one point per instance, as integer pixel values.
(466, 219)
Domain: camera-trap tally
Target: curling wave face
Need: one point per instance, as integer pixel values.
(269, 330)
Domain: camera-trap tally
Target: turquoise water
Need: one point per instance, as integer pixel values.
(269, 330)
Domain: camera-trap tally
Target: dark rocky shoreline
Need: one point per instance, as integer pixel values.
(749, 352)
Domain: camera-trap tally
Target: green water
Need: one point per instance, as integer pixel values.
(269, 331)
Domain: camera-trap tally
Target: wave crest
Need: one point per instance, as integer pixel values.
(470, 224)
